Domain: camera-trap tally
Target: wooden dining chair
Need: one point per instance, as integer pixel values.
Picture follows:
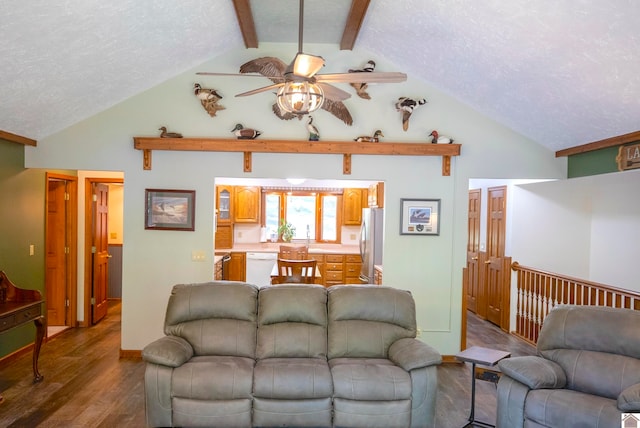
(296, 271)
(294, 252)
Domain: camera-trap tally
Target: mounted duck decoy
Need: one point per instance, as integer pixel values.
(209, 99)
(440, 139)
(361, 87)
(407, 105)
(370, 139)
(314, 134)
(243, 133)
(165, 134)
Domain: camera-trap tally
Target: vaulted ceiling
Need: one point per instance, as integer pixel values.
(563, 73)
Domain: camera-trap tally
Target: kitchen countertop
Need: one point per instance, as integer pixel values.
(273, 247)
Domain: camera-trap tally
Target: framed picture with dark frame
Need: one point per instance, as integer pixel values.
(170, 209)
(419, 216)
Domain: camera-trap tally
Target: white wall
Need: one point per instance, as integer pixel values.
(430, 267)
(587, 228)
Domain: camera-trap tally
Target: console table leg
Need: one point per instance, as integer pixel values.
(40, 328)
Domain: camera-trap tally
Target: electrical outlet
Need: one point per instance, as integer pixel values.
(418, 332)
(352, 236)
(239, 234)
(32, 249)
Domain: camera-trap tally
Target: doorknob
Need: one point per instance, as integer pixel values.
(108, 256)
(474, 258)
(487, 262)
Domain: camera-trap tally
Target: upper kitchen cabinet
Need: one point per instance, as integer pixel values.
(246, 204)
(376, 195)
(352, 206)
(223, 203)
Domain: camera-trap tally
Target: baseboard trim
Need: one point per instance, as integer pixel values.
(130, 354)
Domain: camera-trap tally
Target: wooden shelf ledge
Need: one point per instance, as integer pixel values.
(147, 144)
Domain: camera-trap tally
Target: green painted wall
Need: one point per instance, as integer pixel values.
(22, 194)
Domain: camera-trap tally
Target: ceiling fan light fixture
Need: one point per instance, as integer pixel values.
(307, 65)
(300, 97)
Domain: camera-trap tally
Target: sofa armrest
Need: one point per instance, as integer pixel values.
(410, 354)
(629, 399)
(534, 372)
(172, 351)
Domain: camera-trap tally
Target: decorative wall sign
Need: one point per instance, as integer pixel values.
(419, 216)
(170, 209)
(628, 157)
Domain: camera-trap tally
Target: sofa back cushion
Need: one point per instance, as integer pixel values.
(598, 347)
(216, 318)
(292, 322)
(365, 320)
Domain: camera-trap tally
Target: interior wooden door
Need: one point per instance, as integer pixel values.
(56, 253)
(496, 229)
(100, 250)
(473, 247)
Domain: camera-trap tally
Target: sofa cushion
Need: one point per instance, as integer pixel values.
(213, 378)
(314, 413)
(292, 322)
(566, 408)
(584, 371)
(216, 318)
(364, 321)
(369, 379)
(200, 413)
(629, 399)
(292, 378)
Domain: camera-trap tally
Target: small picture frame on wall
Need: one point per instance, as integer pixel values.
(419, 216)
(170, 209)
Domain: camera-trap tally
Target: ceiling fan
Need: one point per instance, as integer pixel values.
(300, 89)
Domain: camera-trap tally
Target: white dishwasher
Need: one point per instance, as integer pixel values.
(259, 268)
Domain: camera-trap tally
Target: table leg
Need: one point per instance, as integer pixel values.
(40, 328)
(472, 420)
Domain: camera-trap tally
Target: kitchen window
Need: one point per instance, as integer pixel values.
(316, 216)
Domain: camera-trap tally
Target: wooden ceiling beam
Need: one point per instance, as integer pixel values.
(245, 21)
(354, 22)
(17, 138)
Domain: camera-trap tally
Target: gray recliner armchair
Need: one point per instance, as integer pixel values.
(586, 373)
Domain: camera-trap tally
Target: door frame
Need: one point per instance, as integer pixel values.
(88, 234)
(71, 232)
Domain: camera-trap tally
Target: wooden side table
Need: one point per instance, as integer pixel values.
(486, 357)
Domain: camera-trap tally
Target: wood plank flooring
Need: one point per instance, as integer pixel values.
(87, 385)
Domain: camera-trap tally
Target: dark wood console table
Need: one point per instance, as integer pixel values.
(20, 306)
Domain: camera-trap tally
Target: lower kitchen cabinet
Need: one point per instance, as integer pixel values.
(352, 266)
(237, 266)
(338, 268)
(224, 236)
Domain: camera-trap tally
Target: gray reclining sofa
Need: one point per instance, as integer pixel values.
(290, 355)
(586, 374)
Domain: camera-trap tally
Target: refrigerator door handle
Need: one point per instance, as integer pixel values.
(363, 245)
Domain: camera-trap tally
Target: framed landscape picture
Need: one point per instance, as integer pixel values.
(170, 209)
(419, 216)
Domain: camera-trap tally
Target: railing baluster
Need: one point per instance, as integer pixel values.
(539, 291)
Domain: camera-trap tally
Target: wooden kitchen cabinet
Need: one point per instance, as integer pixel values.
(333, 269)
(246, 204)
(352, 207)
(224, 236)
(224, 211)
(376, 195)
(237, 266)
(352, 266)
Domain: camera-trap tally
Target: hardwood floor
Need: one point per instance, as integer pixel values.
(87, 385)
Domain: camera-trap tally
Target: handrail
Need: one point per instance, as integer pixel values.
(539, 291)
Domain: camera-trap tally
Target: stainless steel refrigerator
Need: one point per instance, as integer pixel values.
(371, 235)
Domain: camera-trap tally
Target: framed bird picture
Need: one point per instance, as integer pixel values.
(420, 217)
(170, 209)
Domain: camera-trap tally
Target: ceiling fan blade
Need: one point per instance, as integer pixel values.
(365, 77)
(306, 65)
(334, 93)
(263, 89)
(205, 73)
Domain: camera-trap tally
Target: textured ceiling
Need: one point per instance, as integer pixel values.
(563, 73)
